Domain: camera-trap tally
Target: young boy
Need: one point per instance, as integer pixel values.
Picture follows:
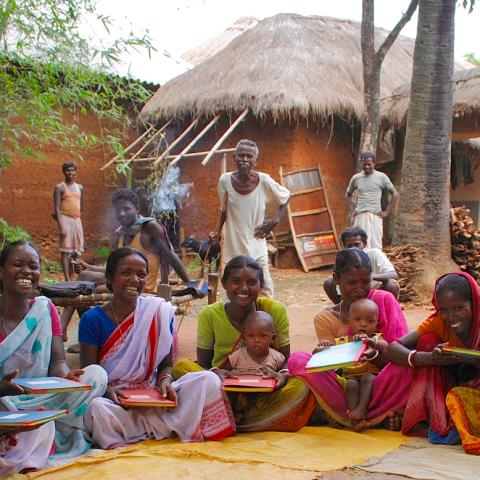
(256, 357)
(363, 323)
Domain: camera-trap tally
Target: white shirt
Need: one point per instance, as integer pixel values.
(247, 212)
(380, 262)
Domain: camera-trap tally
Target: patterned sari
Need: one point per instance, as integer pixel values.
(28, 349)
(392, 384)
(131, 357)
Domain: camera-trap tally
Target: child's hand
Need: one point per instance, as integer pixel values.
(322, 345)
(223, 374)
(281, 377)
(360, 337)
(7, 387)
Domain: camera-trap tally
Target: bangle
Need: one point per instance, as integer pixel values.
(377, 353)
(166, 375)
(284, 370)
(411, 358)
(213, 369)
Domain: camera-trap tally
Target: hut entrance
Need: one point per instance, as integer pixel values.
(310, 218)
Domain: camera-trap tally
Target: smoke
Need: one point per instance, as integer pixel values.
(169, 193)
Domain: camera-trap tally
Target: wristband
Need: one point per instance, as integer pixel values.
(410, 358)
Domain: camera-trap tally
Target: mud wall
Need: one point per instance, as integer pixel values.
(26, 196)
(291, 146)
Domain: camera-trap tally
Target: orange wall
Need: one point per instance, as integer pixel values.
(26, 196)
(293, 147)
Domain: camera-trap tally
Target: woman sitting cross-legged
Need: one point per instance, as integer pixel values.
(132, 338)
(456, 322)
(352, 274)
(31, 345)
(220, 332)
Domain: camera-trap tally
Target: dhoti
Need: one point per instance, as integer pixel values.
(73, 240)
(373, 226)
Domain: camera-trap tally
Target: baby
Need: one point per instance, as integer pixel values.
(256, 357)
(363, 323)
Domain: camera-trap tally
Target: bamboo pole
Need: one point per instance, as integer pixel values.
(233, 126)
(150, 140)
(177, 140)
(195, 140)
(117, 157)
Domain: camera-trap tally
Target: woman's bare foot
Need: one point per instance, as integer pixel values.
(358, 413)
(361, 425)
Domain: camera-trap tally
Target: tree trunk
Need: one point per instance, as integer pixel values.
(423, 217)
(371, 80)
(372, 63)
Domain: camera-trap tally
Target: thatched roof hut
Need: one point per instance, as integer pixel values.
(199, 54)
(287, 66)
(466, 98)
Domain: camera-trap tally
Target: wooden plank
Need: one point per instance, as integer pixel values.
(325, 232)
(195, 140)
(330, 213)
(298, 247)
(315, 211)
(232, 127)
(176, 141)
(307, 190)
(314, 248)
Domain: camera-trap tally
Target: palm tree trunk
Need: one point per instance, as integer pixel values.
(423, 217)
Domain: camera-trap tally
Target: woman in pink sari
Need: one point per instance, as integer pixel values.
(132, 338)
(352, 274)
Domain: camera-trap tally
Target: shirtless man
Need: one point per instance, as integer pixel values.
(68, 204)
(142, 233)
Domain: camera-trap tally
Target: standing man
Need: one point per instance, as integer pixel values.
(244, 195)
(367, 213)
(68, 204)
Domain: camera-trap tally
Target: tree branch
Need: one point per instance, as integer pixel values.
(392, 36)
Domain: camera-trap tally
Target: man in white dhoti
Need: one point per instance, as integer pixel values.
(367, 212)
(244, 195)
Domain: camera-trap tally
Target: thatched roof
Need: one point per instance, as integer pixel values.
(287, 66)
(466, 97)
(199, 54)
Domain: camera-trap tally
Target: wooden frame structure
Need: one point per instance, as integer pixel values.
(152, 134)
(313, 229)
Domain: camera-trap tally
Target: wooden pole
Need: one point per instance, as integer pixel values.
(177, 140)
(128, 148)
(150, 140)
(233, 126)
(182, 249)
(195, 140)
(212, 287)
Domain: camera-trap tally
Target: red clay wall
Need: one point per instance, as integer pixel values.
(293, 147)
(26, 196)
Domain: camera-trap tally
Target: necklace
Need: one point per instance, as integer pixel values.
(116, 320)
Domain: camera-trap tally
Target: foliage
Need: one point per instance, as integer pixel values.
(102, 253)
(471, 58)
(50, 266)
(50, 73)
(10, 233)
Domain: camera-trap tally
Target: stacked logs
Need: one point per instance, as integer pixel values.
(465, 241)
(407, 260)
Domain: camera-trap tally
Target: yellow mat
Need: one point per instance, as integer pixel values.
(293, 455)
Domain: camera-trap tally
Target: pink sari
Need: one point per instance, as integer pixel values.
(392, 384)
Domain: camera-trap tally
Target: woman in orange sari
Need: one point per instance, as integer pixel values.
(455, 322)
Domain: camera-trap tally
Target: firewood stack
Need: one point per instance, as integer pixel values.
(406, 260)
(465, 241)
